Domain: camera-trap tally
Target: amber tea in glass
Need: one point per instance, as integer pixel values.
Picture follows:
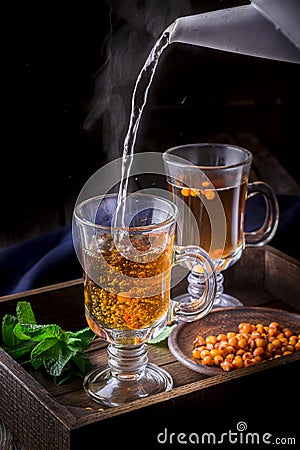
(233, 200)
(140, 298)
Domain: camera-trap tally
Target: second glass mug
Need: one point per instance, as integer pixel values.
(212, 181)
(127, 283)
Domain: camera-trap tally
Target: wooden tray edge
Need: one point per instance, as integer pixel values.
(40, 290)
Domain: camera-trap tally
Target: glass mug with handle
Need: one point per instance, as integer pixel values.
(127, 283)
(212, 181)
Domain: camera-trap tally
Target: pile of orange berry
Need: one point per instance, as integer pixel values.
(252, 344)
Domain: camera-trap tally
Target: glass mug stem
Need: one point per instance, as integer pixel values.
(265, 233)
(196, 287)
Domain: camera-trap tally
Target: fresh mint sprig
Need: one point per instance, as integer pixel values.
(59, 352)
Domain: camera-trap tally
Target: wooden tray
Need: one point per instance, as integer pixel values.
(43, 416)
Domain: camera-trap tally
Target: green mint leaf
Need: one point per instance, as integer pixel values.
(79, 340)
(79, 365)
(8, 324)
(164, 334)
(19, 334)
(55, 366)
(72, 342)
(82, 362)
(24, 313)
(44, 350)
(20, 349)
(41, 332)
(60, 353)
(86, 335)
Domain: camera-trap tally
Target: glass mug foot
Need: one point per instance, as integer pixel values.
(127, 377)
(226, 301)
(223, 301)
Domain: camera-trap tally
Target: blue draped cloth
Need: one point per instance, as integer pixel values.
(51, 258)
(48, 259)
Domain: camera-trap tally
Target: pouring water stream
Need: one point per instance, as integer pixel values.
(139, 99)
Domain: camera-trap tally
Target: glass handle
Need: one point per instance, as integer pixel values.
(203, 292)
(265, 233)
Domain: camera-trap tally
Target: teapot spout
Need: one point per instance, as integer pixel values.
(244, 29)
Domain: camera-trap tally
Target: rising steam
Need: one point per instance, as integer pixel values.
(135, 26)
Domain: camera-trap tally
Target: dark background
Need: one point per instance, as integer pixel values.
(54, 52)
